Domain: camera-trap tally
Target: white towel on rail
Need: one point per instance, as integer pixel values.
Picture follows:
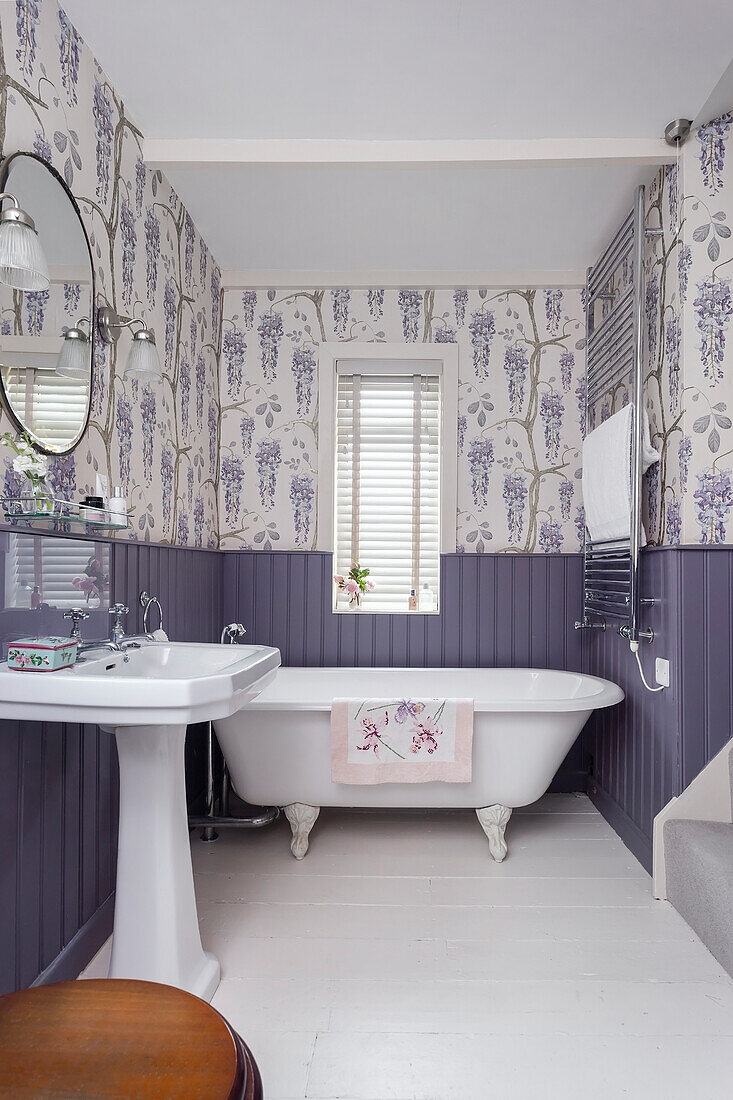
(607, 475)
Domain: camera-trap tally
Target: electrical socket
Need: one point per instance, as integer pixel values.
(661, 671)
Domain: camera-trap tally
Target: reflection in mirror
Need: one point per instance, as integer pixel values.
(43, 577)
(46, 336)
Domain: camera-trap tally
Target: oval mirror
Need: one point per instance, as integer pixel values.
(46, 339)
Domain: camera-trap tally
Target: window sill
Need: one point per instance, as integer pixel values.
(380, 611)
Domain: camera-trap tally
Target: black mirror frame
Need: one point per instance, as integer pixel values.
(93, 336)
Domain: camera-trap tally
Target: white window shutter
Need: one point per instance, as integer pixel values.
(388, 482)
(48, 564)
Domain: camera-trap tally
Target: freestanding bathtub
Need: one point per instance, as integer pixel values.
(525, 721)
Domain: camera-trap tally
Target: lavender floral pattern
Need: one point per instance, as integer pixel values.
(712, 139)
(482, 329)
(269, 458)
(551, 540)
(553, 310)
(410, 303)
(69, 56)
(304, 369)
(234, 351)
(515, 498)
(375, 302)
(341, 301)
(480, 461)
(271, 333)
(551, 412)
(713, 310)
(301, 499)
(460, 300)
(63, 106)
(516, 365)
(714, 500)
(505, 476)
(232, 476)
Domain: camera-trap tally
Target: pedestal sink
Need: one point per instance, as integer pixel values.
(147, 701)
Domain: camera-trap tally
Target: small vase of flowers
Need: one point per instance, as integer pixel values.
(355, 584)
(28, 461)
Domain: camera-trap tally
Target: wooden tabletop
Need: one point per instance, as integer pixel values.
(103, 1039)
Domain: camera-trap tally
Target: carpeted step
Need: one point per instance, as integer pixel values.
(699, 858)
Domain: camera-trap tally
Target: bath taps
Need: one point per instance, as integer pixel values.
(231, 632)
(116, 612)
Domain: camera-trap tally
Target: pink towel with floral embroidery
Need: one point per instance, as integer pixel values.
(401, 740)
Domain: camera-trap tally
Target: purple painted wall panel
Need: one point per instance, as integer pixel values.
(632, 749)
(59, 790)
(647, 750)
(706, 648)
(496, 610)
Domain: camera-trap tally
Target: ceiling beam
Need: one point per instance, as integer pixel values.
(439, 279)
(193, 152)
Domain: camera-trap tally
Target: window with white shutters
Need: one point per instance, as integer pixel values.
(50, 565)
(388, 477)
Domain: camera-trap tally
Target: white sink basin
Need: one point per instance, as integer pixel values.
(162, 682)
(147, 701)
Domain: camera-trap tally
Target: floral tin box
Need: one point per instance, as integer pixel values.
(42, 654)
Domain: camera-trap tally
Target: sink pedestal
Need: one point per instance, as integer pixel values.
(156, 932)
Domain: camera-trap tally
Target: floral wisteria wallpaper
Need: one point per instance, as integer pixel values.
(520, 400)
(705, 273)
(160, 443)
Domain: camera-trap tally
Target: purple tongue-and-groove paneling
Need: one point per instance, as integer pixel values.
(496, 609)
(644, 752)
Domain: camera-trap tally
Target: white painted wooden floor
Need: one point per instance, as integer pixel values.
(398, 962)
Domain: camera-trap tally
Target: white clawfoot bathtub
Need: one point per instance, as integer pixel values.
(278, 747)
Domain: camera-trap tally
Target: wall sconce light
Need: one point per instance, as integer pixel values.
(142, 360)
(75, 357)
(22, 262)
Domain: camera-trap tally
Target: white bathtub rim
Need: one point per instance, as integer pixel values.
(607, 693)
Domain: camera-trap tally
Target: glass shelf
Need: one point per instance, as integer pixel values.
(61, 516)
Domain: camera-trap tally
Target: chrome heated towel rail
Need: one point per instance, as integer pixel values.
(614, 360)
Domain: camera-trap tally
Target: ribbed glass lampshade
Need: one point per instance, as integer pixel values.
(75, 360)
(143, 361)
(22, 262)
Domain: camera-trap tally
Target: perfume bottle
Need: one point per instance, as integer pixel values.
(427, 598)
(412, 602)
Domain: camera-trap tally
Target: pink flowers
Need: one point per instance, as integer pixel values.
(425, 734)
(355, 584)
(372, 728)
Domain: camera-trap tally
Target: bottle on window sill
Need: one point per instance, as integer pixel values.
(412, 602)
(427, 598)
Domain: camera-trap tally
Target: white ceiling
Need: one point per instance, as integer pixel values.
(406, 70)
(409, 68)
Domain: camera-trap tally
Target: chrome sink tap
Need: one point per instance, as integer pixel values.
(114, 644)
(117, 613)
(77, 615)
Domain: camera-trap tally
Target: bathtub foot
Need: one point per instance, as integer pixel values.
(301, 818)
(494, 821)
